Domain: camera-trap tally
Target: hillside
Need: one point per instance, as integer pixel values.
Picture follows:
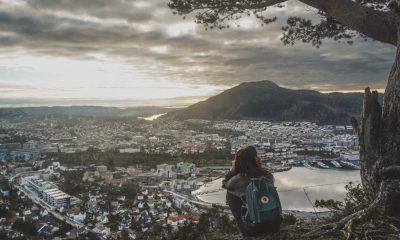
(265, 100)
(95, 111)
(11, 112)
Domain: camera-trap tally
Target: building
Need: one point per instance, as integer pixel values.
(37, 186)
(130, 150)
(22, 170)
(166, 170)
(48, 191)
(148, 180)
(101, 168)
(186, 168)
(56, 198)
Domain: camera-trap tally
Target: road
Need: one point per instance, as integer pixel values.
(195, 202)
(43, 204)
(224, 168)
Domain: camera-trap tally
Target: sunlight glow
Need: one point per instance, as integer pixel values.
(160, 49)
(179, 29)
(99, 78)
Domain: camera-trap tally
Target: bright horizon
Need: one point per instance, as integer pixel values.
(177, 102)
(137, 53)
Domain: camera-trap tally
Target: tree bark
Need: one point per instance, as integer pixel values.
(369, 138)
(379, 136)
(390, 139)
(378, 25)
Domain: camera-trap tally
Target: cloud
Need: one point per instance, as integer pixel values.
(132, 11)
(148, 37)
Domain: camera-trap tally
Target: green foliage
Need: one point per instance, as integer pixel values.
(4, 211)
(207, 128)
(203, 229)
(130, 190)
(188, 231)
(26, 227)
(330, 204)
(289, 219)
(354, 201)
(226, 225)
(204, 223)
(146, 161)
(113, 221)
(73, 182)
(124, 234)
(221, 14)
(355, 198)
(90, 219)
(64, 228)
(92, 236)
(111, 164)
(157, 230)
(299, 28)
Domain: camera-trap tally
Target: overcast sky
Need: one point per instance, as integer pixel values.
(130, 52)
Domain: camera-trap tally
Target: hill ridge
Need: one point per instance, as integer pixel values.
(266, 100)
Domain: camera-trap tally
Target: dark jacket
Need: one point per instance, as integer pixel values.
(236, 185)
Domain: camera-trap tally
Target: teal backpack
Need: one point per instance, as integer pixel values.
(262, 202)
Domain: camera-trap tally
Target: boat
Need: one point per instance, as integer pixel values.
(336, 164)
(307, 165)
(349, 165)
(280, 168)
(322, 165)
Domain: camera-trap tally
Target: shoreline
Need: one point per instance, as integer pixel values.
(308, 216)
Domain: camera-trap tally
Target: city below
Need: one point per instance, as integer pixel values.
(68, 176)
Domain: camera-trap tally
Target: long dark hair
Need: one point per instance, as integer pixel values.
(246, 164)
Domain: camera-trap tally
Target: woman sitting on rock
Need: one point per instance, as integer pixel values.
(263, 215)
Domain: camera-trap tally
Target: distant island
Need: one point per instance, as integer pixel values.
(265, 100)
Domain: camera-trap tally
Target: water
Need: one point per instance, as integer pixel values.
(294, 186)
(153, 117)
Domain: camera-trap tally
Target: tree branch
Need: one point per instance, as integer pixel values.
(368, 20)
(357, 216)
(262, 4)
(378, 25)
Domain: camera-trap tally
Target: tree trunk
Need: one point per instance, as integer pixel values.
(378, 25)
(379, 136)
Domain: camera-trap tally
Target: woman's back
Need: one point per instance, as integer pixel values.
(247, 165)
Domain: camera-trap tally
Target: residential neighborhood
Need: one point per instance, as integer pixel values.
(79, 177)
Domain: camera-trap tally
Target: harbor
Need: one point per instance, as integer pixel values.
(298, 188)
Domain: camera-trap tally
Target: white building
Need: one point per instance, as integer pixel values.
(36, 185)
(130, 150)
(166, 170)
(56, 198)
(186, 168)
(101, 168)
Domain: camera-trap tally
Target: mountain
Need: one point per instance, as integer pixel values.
(265, 100)
(11, 113)
(95, 111)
